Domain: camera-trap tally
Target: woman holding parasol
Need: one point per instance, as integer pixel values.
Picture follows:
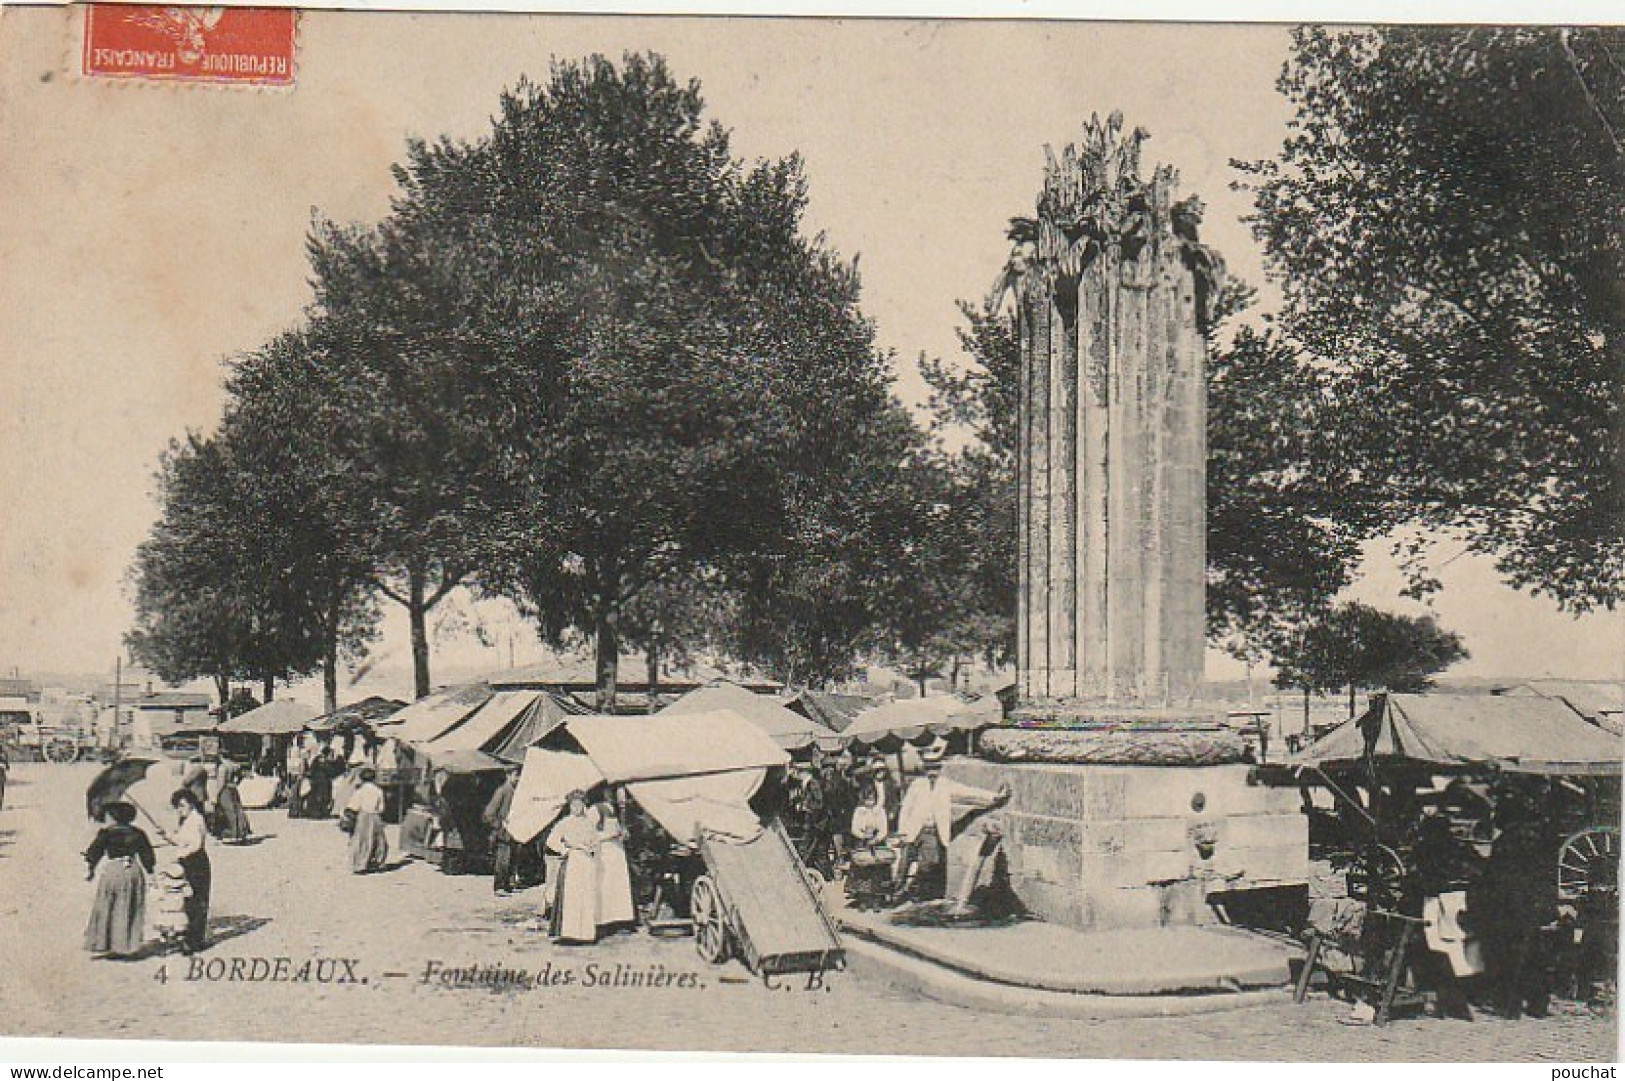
(124, 854)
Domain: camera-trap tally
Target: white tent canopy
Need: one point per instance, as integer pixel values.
(485, 724)
(545, 781)
(278, 717)
(667, 745)
(690, 772)
(910, 719)
(787, 729)
(434, 715)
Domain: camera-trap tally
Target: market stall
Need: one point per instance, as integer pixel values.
(694, 775)
(260, 739)
(789, 730)
(1432, 793)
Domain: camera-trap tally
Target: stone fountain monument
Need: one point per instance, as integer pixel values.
(1130, 804)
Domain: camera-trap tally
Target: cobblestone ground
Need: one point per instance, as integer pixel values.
(290, 895)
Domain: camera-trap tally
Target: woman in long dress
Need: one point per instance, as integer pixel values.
(615, 909)
(190, 839)
(319, 780)
(369, 848)
(575, 898)
(231, 820)
(293, 779)
(118, 916)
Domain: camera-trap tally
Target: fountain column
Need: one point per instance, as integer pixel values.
(1131, 799)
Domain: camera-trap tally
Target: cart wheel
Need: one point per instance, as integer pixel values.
(61, 751)
(1588, 862)
(710, 926)
(1377, 877)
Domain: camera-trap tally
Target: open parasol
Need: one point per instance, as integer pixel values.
(113, 784)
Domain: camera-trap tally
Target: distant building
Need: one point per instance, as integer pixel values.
(152, 718)
(13, 687)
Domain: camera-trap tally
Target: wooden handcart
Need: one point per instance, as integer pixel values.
(759, 902)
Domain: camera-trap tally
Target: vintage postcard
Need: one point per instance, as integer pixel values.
(891, 536)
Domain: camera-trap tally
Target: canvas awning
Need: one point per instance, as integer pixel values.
(910, 719)
(544, 715)
(834, 711)
(280, 717)
(365, 714)
(485, 725)
(545, 780)
(465, 761)
(435, 714)
(789, 730)
(1602, 702)
(1452, 731)
(666, 745)
(690, 772)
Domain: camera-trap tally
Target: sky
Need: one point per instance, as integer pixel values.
(150, 231)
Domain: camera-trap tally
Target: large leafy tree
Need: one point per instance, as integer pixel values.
(411, 420)
(671, 379)
(1356, 647)
(1446, 218)
(1284, 523)
(214, 595)
(287, 409)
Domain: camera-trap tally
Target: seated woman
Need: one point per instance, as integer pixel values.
(869, 825)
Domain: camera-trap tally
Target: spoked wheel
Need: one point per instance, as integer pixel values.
(1588, 862)
(710, 924)
(61, 751)
(1377, 877)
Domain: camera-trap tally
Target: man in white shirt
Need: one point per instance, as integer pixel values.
(926, 825)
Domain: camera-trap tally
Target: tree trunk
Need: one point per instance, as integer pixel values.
(222, 687)
(1306, 711)
(651, 660)
(1351, 701)
(920, 675)
(609, 655)
(330, 672)
(418, 611)
(268, 687)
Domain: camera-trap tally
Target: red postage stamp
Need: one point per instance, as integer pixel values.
(252, 46)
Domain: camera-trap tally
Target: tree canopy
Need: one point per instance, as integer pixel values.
(1358, 647)
(670, 372)
(590, 361)
(1446, 219)
(216, 596)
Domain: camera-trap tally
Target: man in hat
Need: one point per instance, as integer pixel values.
(1510, 903)
(926, 824)
(838, 798)
(502, 842)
